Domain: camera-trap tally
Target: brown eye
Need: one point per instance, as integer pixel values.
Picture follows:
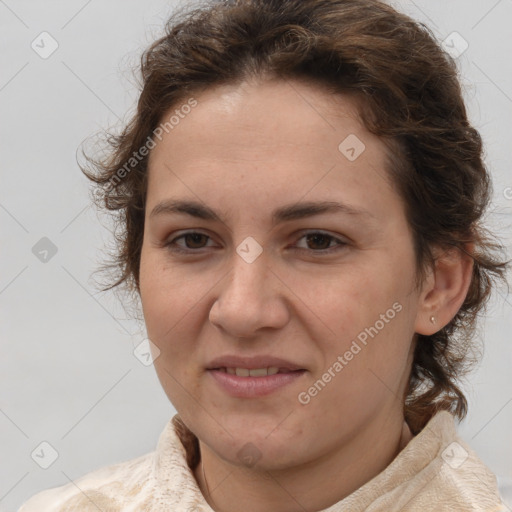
(319, 240)
(321, 243)
(194, 240)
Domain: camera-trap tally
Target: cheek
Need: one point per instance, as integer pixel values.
(360, 378)
(345, 300)
(171, 305)
(366, 317)
(167, 300)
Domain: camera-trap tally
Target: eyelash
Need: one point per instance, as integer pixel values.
(340, 243)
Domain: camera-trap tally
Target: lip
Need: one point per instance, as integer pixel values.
(263, 361)
(252, 387)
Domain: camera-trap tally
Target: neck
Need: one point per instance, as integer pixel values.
(315, 485)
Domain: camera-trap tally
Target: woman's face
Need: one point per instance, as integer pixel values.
(271, 280)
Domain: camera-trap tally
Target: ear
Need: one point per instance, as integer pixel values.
(444, 289)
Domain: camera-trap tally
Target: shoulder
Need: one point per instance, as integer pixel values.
(436, 472)
(454, 477)
(464, 479)
(160, 479)
(107, 488)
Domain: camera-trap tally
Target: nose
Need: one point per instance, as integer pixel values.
(250, 299)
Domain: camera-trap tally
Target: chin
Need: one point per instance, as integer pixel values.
(257, 447)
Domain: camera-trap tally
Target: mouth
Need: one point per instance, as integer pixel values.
(253, 383)
(251, 377)
(255, 372)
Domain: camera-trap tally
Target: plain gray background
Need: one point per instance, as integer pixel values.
(68, 373)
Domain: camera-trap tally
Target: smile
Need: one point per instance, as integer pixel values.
(254, 382)
(254, 372)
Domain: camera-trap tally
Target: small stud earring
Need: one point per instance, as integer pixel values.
(433, 319)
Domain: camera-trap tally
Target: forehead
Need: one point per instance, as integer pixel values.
(255, 115)
(274, 136)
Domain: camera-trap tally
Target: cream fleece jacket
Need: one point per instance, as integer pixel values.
(436, 471)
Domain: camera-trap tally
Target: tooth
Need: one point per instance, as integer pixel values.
(272, 370)
(230, 371)
(242, 372)
(258, 372)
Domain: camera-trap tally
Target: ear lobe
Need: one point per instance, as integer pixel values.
(445, 289)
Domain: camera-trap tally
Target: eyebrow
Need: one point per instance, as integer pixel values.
(282, 214)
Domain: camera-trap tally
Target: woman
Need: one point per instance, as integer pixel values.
(299, 197)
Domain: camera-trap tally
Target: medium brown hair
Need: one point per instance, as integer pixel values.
(409, 94)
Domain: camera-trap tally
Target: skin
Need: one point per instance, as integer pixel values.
(244, 151)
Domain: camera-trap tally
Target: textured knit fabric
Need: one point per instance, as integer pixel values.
(436, 471)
